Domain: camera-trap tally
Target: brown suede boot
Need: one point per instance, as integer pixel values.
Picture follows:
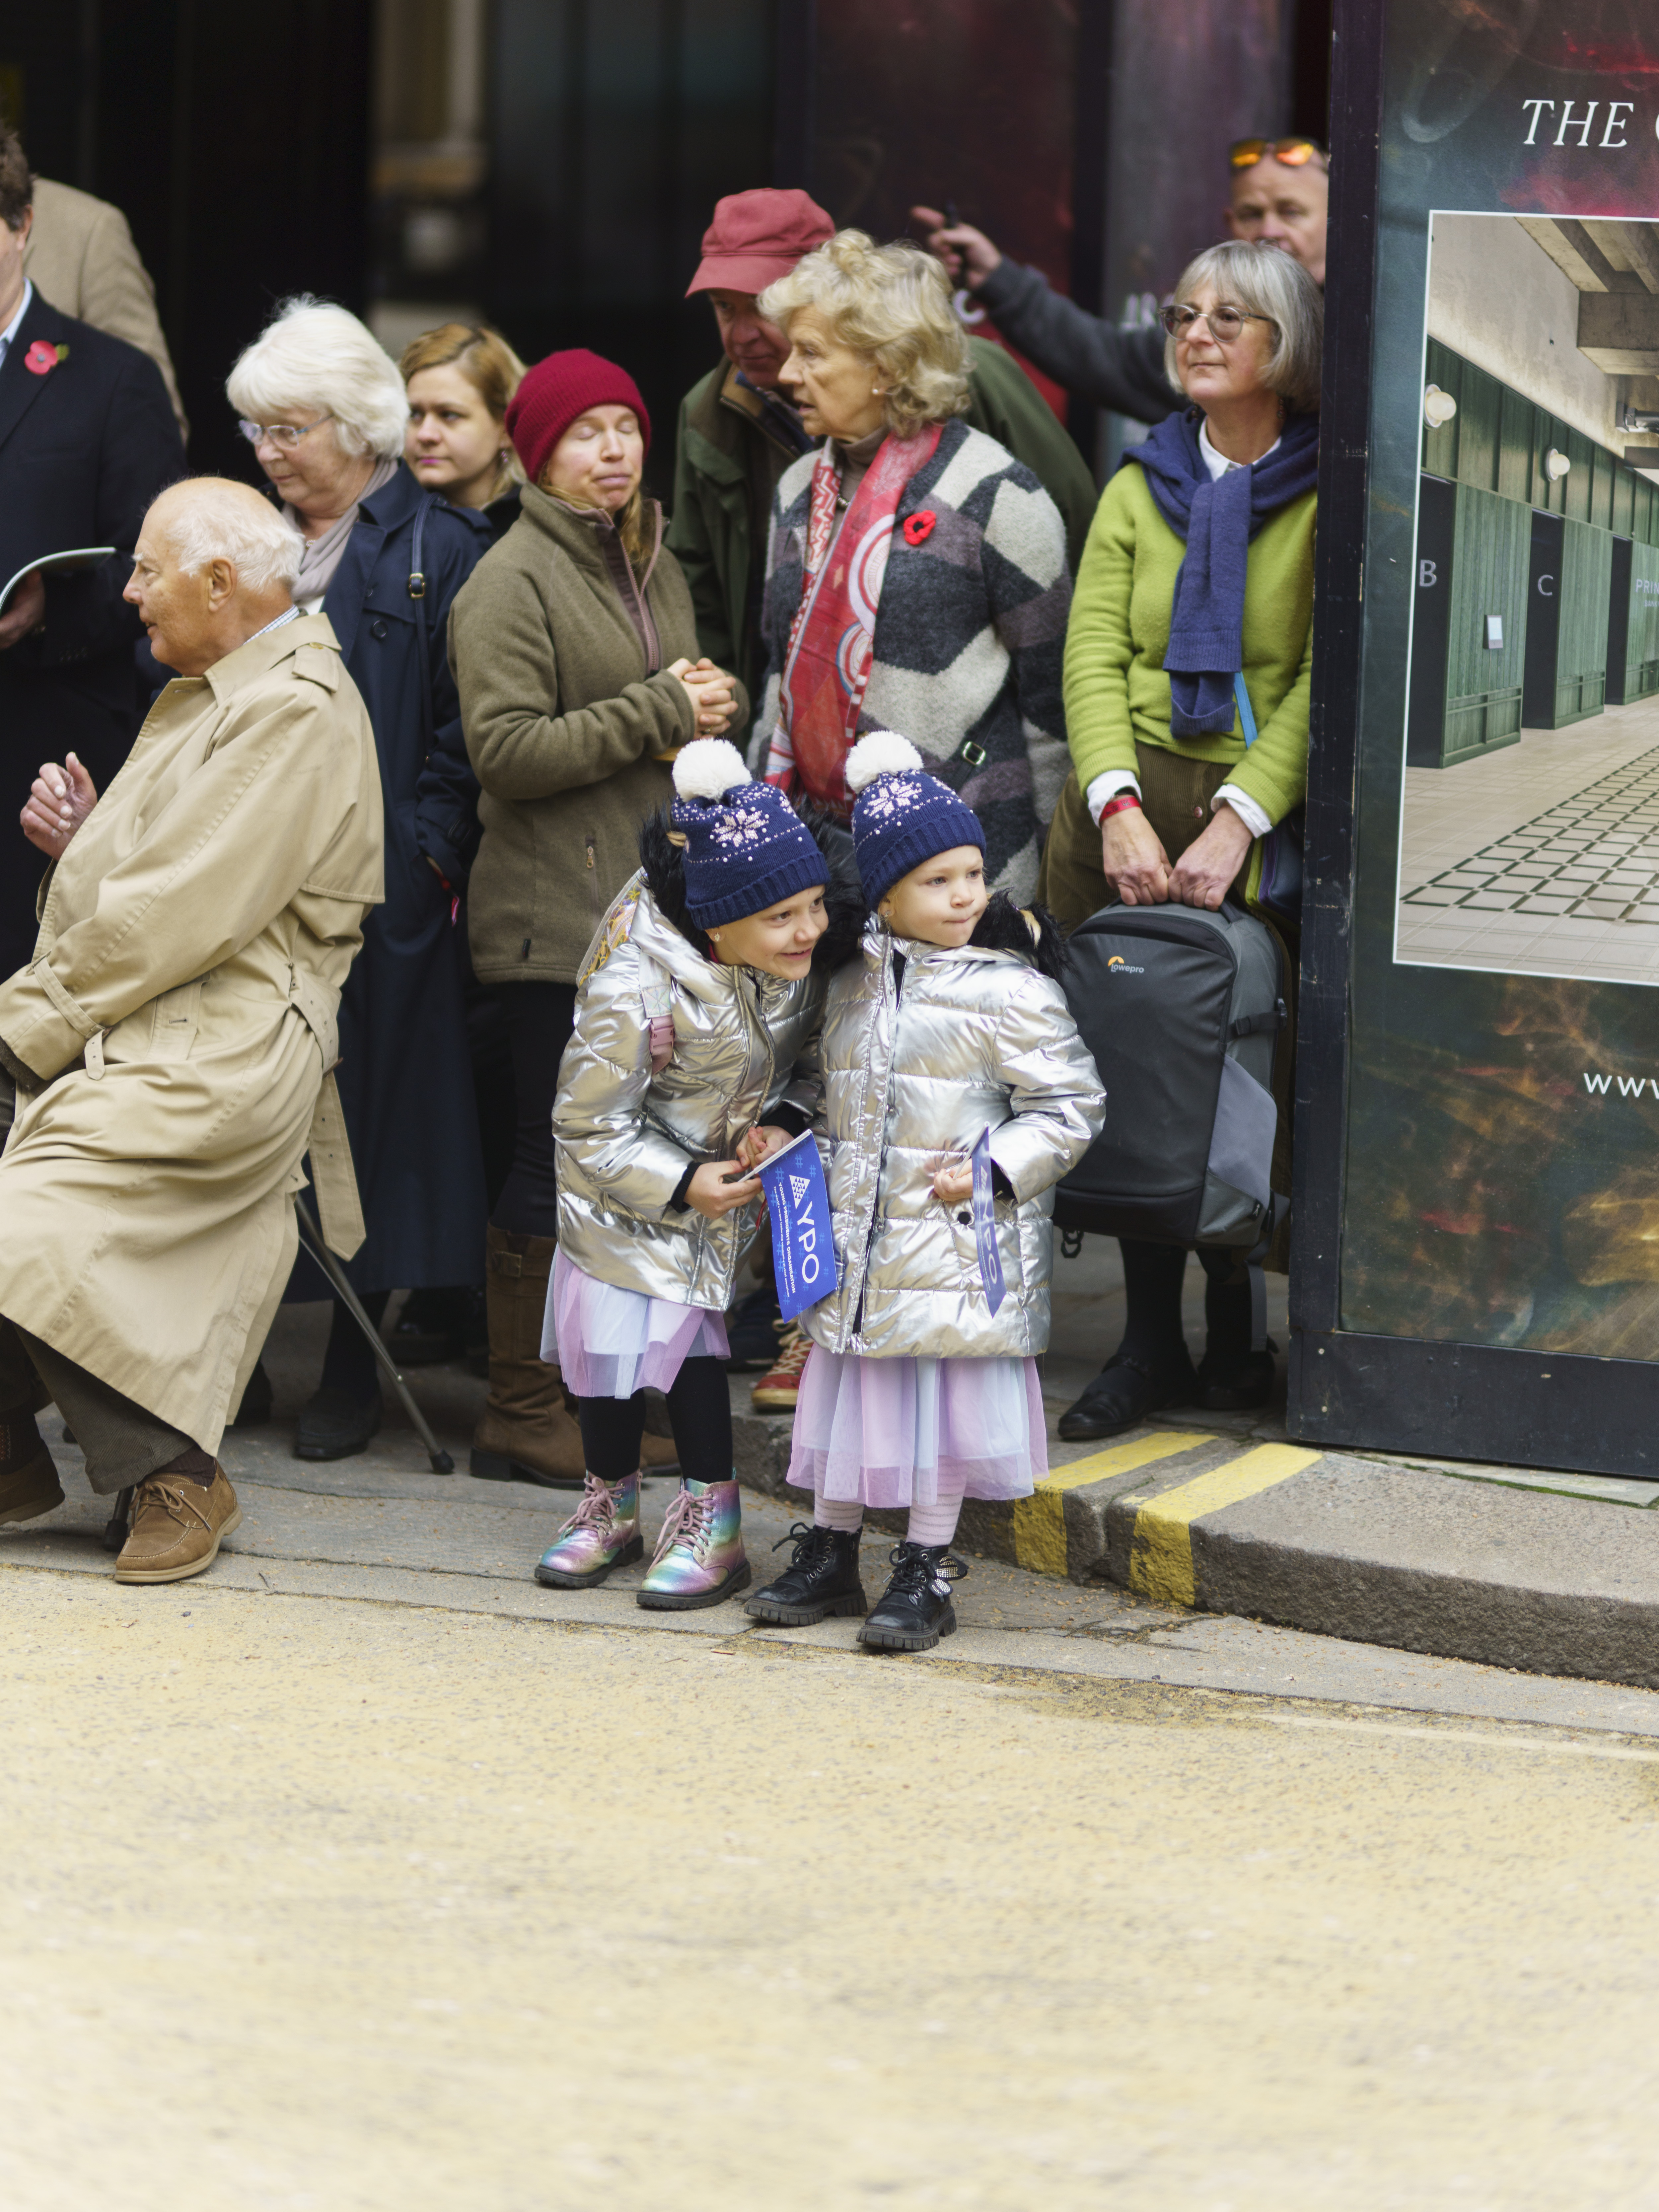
(28, 1475)
(527, 1433)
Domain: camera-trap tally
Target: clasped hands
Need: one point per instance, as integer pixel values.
(60, 801)
(711, 692)
(1138, 869)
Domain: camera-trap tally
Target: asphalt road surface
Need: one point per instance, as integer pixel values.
(334, 1886)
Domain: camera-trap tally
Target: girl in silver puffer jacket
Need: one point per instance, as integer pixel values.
(916, 1393)
(705, 983)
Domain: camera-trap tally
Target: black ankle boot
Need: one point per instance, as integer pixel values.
(820, 1583)
(336, 1426)
(1126, 1390)
(914, 1610)
(1235, 1381)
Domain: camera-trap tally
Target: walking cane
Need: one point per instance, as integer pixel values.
(311, 1237)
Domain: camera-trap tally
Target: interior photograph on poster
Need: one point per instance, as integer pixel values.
(1501, 1177)
(1529, 822)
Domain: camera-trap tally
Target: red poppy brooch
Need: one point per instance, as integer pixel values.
(919, 528)
(41, 356)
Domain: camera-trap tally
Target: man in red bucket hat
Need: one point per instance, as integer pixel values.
(738, 433)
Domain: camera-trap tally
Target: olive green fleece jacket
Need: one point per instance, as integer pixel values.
(566, 710)
(1116, 690)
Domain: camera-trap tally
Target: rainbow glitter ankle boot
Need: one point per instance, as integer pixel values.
(700, 1558)
(603, 1533)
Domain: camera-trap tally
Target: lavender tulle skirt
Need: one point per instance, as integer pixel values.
(917, 1432)
(609, 1343)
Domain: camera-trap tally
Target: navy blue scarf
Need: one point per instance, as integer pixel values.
(1218, 517)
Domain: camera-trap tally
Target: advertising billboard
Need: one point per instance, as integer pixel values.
(1477, 1240)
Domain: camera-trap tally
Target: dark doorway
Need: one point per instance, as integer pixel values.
(1543, 622)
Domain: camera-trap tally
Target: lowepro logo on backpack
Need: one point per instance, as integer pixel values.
(1118, 964)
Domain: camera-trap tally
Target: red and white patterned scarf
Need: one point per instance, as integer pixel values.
(831, 640)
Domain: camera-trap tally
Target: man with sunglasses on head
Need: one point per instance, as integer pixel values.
(1279, 193)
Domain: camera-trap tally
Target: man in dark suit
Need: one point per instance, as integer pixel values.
(86, 440)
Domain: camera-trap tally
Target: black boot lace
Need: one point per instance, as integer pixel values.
(917, 1569)
(812, 1546)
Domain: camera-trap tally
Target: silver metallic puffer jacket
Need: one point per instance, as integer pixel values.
(973, 1038)
(625, 1136)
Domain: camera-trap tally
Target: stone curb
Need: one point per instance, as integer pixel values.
(1413, 1557)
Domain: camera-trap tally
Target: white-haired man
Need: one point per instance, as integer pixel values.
(169, 1042)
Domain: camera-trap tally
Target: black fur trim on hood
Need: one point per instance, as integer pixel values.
(1004, 927)
(665, 872)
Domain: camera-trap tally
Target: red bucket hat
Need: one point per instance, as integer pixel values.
(555, 391)
(757, 237)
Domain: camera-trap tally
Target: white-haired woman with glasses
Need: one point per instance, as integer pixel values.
(916, 578)
(1188, 662)
(324, 409)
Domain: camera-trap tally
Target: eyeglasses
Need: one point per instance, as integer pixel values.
(1293, 152)
(1226, 323)
(285, 436)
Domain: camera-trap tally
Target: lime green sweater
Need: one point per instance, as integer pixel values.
(1116, 691)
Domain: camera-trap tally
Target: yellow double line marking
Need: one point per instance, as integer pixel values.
(1161, 1555)
(1039, 1520)
(1161, 1548)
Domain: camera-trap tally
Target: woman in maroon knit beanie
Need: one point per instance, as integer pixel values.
(574, 647)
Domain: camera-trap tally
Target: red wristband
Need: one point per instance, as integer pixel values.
(1116, 805)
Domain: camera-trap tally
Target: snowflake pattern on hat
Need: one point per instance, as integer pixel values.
(903, 815)
(745, 848)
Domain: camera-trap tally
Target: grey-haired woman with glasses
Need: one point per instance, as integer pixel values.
(324, 408)
(1188, 664)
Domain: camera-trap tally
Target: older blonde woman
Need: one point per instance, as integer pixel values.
(916, 576)
(1187, 682)
(324, 410)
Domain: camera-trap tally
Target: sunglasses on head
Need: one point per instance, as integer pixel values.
(1294, 153)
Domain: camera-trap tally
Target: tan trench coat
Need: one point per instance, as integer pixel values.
(180, 1013)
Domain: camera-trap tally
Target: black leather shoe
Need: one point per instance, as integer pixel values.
(914, 1610)
(1235, 1381)
(335, 1424)
(1123, 1394)
(431, 1329)
(255, 1409)
(820, 1583)
(752, 1331)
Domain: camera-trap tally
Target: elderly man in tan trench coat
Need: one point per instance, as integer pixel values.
(169, 1043)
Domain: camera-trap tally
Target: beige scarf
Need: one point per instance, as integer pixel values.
(322, 554)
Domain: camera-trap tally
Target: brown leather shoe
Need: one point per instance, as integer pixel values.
(28, 1475)
(527, 1434)
(177, 1527)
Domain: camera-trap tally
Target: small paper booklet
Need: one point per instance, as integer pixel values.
(56, 564)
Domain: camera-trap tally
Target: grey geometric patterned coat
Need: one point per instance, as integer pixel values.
(971, 632)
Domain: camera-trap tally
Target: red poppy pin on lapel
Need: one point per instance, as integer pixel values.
(918, 528)
(42, 356)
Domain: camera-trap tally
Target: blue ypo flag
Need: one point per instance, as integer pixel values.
(985, 1224)
(803, 1251)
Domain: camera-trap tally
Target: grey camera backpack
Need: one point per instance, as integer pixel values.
(1182, 1010)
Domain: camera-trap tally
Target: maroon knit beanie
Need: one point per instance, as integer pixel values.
(555, 391)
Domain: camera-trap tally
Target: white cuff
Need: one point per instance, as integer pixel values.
(1116, 781)
(1245, 807)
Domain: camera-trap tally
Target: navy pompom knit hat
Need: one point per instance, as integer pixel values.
(746, 848)
(903, 815)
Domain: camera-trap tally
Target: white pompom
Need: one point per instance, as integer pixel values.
(884, 753)
(707, 769)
